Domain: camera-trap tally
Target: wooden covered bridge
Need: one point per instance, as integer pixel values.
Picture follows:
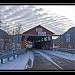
(39, 36)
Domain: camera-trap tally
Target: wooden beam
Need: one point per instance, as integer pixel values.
(36, 35)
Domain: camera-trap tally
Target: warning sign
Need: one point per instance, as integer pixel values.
(25, 41)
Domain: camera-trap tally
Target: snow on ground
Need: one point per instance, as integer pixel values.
(48, 58)
(62, 54)
(18, 63)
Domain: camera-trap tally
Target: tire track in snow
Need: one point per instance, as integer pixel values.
(48, 58)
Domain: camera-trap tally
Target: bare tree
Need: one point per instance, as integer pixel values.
(18, 30)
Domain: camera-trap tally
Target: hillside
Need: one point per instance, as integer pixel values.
(71, 31)
(3, 34)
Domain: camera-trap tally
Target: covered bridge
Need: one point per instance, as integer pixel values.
(39, 36)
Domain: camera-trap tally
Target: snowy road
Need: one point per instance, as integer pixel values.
(44, 60)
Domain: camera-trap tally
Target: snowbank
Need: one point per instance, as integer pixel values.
(19, 63)
(62, 54)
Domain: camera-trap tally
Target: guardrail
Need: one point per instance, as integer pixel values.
(11, 53)
(62, 49)
(72, 51)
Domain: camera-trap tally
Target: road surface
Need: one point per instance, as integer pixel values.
(55, 62)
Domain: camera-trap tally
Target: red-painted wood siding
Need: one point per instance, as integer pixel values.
(33, 30)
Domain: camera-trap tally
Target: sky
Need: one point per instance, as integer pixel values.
(56, 18)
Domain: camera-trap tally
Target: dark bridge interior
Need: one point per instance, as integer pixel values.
(39, 42)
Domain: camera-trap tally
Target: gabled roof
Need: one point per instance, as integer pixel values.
(39, 26)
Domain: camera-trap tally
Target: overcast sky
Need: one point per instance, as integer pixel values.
(56, 18)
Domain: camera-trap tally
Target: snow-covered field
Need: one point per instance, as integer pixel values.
(19, 63)
(62, 54)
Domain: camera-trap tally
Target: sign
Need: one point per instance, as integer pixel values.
(25, 41)
(60, 43)
(39, 29)
(41, 33)
(68, 38)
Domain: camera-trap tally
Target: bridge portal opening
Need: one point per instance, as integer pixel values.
(39, 42)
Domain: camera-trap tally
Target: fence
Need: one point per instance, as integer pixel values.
(10, 54)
